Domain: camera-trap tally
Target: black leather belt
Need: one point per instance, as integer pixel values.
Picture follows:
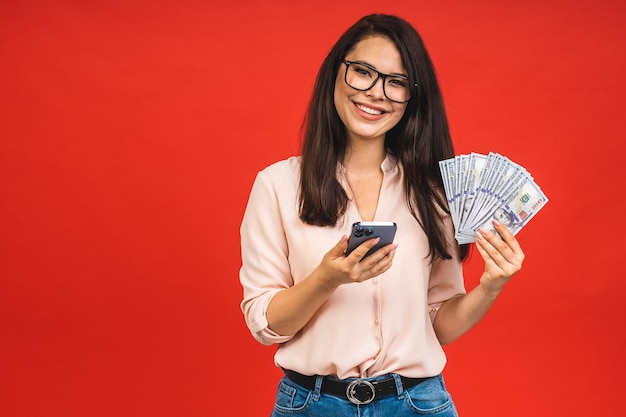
(358, 391)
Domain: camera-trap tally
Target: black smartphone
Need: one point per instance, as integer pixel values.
(362, 231)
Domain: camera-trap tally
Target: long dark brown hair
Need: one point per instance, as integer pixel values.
(419, 141)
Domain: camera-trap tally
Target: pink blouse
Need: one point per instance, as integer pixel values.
(364, 329)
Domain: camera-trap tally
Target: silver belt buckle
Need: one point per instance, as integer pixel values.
(351, 392)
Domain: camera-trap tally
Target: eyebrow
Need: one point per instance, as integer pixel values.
(367, 64)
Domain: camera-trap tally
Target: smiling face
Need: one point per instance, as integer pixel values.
(369, 114)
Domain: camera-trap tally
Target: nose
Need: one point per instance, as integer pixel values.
(377, 91)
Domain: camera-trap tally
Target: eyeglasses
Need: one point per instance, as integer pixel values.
(362, 77)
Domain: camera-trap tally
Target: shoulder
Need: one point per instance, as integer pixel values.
(275, 186)
(289, 166)
(282, 173)
(280, 177)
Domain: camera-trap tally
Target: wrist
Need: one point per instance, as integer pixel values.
(323, 280)
(490, 291)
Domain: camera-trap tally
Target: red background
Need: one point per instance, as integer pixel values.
(130, 137)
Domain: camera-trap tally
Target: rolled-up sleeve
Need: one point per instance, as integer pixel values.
(264, 252)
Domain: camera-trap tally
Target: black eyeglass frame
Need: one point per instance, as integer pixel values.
(380, 74)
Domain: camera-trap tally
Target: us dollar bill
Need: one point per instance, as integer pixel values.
(480, 188)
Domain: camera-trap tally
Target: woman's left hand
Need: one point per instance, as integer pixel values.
(503, 257)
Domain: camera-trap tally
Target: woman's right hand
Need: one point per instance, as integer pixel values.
(336, 268)
(291, 309)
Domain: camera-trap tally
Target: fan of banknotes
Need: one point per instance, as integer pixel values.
(480, 188)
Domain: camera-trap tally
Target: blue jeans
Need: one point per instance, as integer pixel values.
(429, 398)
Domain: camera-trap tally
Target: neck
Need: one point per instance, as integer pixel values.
(363, 158)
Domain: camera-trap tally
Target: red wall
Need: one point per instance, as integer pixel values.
(131, 133)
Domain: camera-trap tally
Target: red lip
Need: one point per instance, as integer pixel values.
(368, 116)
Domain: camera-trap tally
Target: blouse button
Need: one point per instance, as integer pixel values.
(374, 281)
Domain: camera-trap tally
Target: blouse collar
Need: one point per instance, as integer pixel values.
(389, 164)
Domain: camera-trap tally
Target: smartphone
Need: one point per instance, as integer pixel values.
(362, 231)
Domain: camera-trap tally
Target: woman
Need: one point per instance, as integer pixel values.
(355, 335)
